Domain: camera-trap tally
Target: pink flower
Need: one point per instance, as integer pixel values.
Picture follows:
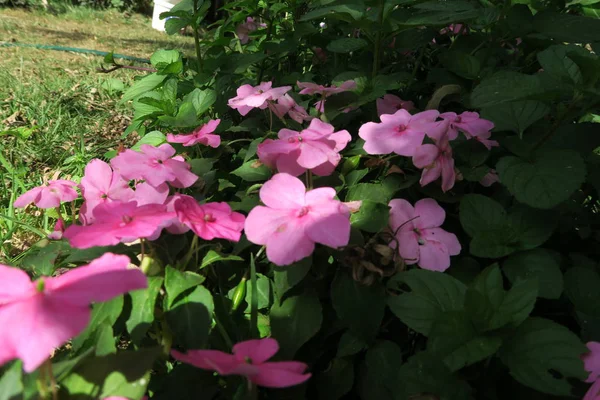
(49, 195)
(324, 91)
(484, 137)
(202, 135)
(436, 161)
(249, 359)
(243, 29)
(294, 220)
(316, 148)
(44, 314)
(400, 133)
(210, 220)
(59, 229)
(155, 165)
(468, 122)
(420, 240)
(249, 97)
(100, 184)
(591, 363)
(148, 194)
(119, 222)
(490, 178)
(454, 29)
(285, 104)
(389, 104)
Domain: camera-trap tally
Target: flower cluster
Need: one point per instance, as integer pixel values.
(591, 362)
(406, 135)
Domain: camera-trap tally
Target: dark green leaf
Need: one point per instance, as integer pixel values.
(350, 344)
(376, 192)
(177, 282)
(479, 213)
(381, 376)
(202, 100)
(539, 347)
(554, 60)
(142, 308)
(432, 294)
(462, 64)
(142, 86)
(11, 385)
(167, 61)
(544, 182)
(539, 265)
(567, 27)
(515, 116)
(106, 312)
(360, 307)
(295, 321)
(213, 257)
(336, 380)
(286, 278)
(505, 86)
(263, 292)
(371, 217)
(190, 318)
(581, 286)
(346, 45)
(253, 171)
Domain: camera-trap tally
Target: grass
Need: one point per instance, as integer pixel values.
(56, 111)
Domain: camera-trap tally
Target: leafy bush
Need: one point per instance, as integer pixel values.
(402, 195)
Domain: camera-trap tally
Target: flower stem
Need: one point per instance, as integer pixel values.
(309, 179)
(196, 36)
(223, 332)
(191, 251)
(252, 391)
(48, 366)
(253, 298)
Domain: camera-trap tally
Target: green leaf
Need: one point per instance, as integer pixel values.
(581, 287)
(175, 25)
(567, 27)
(480, 213)
(142, 309)
(105, 340)
(177, 282)
(532, 226)
(539, 265)
(263, 292)
(582, 137)
(505, 86)
(43, 260)
(375, 192)
(346, 45)
(202, 100)
(212, 257)
(124, 374)
(432, 294)
(462, 64)
(295, 321)
(185, 117)
(286, 278)
(154, 138)
(554, 60)
(454, 337)
(142, 86)
(11, 386)
(190, 318)
(544, 182)
(539, 346)
(106, 312)
(167, 61)
(426, 373)
(442, 13)
(515, 116)
(381, 376)
(336, 380)
(253, 171)
(350, 344)
(113, 85)
(348, 11)
(472, 152)
(371, 217)
(360, 307)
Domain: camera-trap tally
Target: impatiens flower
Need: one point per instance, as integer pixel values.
(249, 97)
(40, 316)
(155, 165)
(100, 184)
(484, 139)
(468, 122)
(420, 238)
(591, 363)
(285, 104)
(316, 148)
(148, 194)
(59, 229)
(490, 178)
(400, 133)
(211, 220)
(249, 359)
(436, 161)
(49, 195)
(324, 91)
(243, 29)
(202, 135)
(389, 104)
(119, 222)
(294, 220)
(454, 29)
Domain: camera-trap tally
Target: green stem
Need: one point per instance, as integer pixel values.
(263, 63)
(197, 36)
(377, 55)
(252, 391)
(191, 251)
(223, 332)
(253, 298)
(309, 180)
